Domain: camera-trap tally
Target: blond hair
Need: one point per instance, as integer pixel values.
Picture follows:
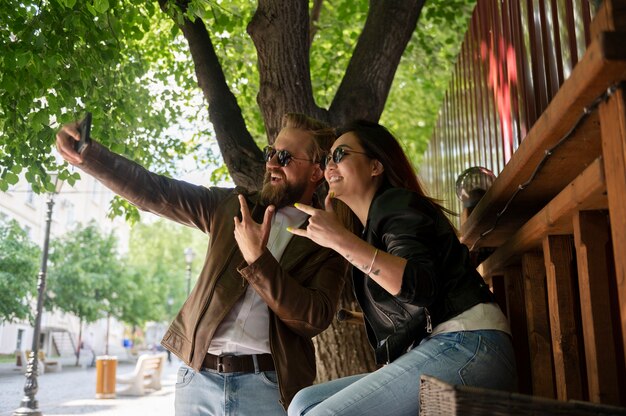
(323, 135)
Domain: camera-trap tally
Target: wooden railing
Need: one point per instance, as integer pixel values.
(558, 266)
(513, 61)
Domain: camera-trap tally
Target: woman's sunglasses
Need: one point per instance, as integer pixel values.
(337, 156)
(284, 157)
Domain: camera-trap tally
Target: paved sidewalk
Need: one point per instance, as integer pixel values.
(72, 392)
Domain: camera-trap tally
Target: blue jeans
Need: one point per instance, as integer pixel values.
(475, 358)
(211, 393)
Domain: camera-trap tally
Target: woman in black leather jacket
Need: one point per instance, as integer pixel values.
(427, 310)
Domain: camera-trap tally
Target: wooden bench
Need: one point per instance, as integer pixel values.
(44, 365)
(50, 365)
(145, 376)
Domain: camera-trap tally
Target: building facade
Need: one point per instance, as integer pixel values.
(86, 201)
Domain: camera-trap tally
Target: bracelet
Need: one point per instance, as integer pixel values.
(372, 263)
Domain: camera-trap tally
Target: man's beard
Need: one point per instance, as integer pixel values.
(283, 194)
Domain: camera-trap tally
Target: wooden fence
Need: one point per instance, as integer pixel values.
(539, 97)
(515, 56)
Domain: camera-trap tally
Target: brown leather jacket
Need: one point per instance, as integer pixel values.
(302, 291)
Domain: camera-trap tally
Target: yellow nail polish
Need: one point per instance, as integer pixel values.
(289, 229)
(332, 194)
(296, 205)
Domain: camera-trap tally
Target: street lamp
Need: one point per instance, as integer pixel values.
(189, 255)
(29, 405)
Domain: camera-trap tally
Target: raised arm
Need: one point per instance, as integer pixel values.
(179, 201)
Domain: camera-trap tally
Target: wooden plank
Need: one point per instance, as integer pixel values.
(539, 336)
(603, 64)
(516, 314)
(564, 311)
(613, 120)
(499, 292)
(611, 16)
(586, 192)
(592, 237)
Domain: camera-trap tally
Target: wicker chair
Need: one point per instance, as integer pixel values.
(439, 398)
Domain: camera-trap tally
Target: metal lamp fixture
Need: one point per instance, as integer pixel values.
(472, 184)
(29, 405)
(189, 256)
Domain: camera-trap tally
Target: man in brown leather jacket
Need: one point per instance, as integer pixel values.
(245, 331)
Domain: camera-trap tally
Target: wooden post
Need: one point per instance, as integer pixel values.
(539, 337)
(498, 287)
(564, 312)
(516, 313)
(613, 128)
(592, 235)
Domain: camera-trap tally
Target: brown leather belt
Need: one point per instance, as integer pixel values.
(238, 363)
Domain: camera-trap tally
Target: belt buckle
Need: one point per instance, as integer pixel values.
(220, 364)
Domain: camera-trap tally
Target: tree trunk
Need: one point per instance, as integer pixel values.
(80, 340)
(281, 37)
(343, 349)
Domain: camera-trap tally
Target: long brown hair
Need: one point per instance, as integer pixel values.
(378, 143)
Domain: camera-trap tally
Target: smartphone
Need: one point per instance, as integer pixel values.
(84, 127)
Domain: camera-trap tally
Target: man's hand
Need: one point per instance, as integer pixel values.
(324, 228)
(252, 237)
(66, 138)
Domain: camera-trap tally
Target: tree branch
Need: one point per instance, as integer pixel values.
(315, 17)
(365, 86)
(281, 36)
(240, 152)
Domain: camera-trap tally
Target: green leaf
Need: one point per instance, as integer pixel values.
(11, 178)
(101, 6)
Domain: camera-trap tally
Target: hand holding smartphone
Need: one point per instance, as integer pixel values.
(84, 127)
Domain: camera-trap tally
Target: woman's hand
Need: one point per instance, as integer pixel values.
(324, 228)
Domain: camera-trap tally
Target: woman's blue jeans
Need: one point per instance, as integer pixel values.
(475, 358)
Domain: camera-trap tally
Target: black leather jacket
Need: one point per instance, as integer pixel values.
(438, 282)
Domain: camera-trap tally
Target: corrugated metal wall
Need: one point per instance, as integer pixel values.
(515, 56)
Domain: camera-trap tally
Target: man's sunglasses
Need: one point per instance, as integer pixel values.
(284, 157)
(337, 156)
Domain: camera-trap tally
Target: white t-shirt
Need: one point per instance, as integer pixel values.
(478, 317)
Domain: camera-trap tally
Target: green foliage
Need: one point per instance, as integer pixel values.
(127, 63)
(424, 73)
(156, 253)
(90, 280)
(141, 300)
(84, 274)
(61, 58)
(18, 272)
(337, 33)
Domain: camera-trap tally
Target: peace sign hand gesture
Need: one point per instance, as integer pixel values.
(252, 237)
(324, 227)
